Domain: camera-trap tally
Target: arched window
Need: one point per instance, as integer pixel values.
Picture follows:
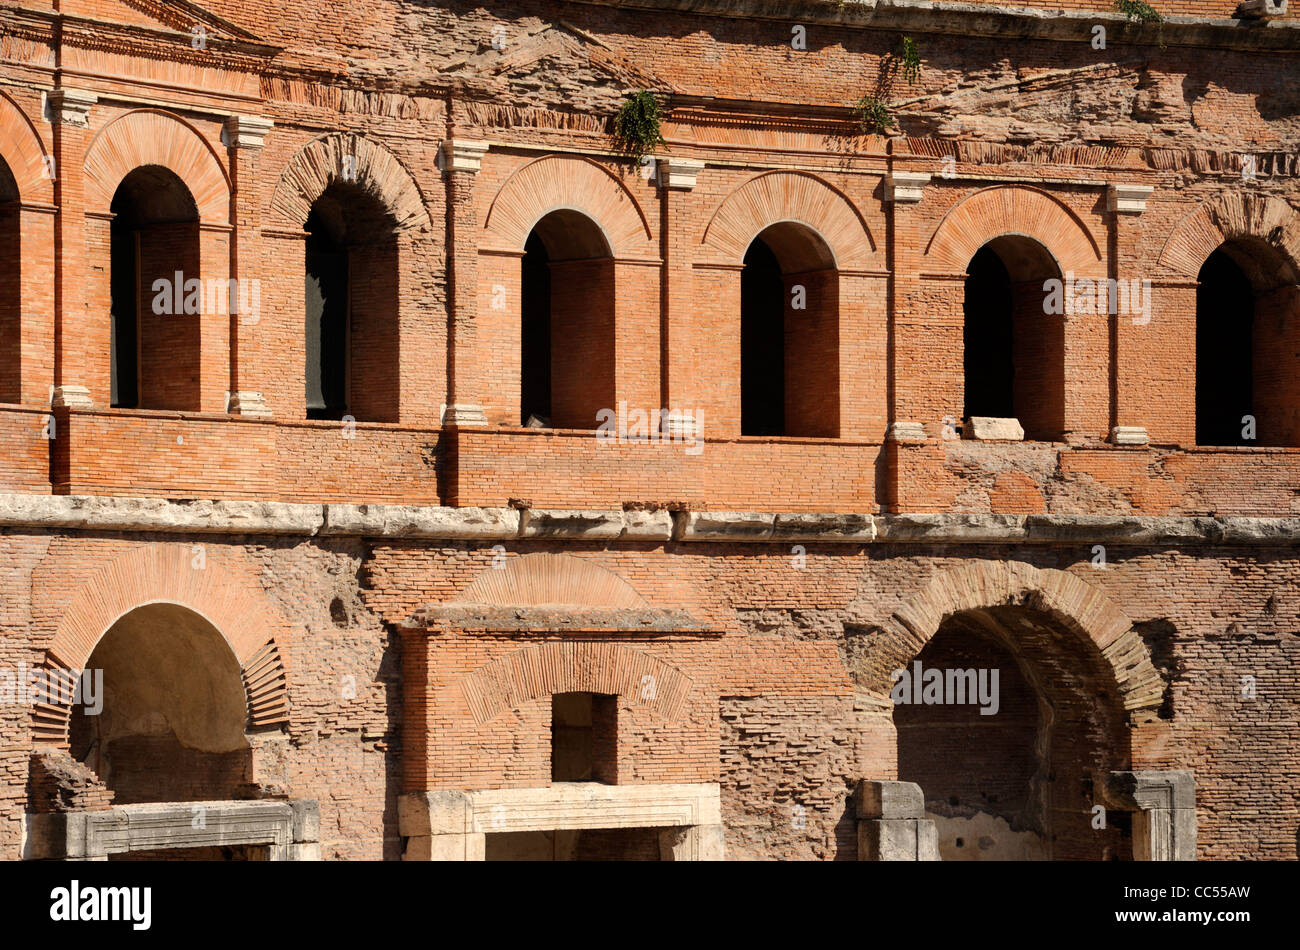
(789, 335)
(567, 332)
(1014, 351)
(157, 293)
(351, 308)
(10, 289)
(1247, 348)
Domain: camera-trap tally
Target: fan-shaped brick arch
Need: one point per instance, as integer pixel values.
(1012, 209)
(576, 667)
(378, 172)
(24, 153)
(562, 182)
(775, 197)
(153, 137)
(551, 579)
(1068, 601)
(1233, 217)
(175, 574)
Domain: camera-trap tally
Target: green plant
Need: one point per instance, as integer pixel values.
(873, 114)
(910, 60)
(637, 124)
(1139, 11)
(873, 109)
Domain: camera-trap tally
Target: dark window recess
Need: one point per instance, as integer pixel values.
(535, 335)
(584, 745)
(1225, 315)
(989, 361)
(762, 343)
(327, 293)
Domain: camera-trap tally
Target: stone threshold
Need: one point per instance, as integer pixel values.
(95, 513)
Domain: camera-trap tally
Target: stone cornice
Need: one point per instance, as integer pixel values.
(113, 514)
(1008, 23)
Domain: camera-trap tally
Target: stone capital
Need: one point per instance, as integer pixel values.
(905, 187)
(678, 174)
(71, 106)
(1129, 435)
(245, 131)
(1128, 199)
(464, 414)
(462, 155)
(74, 397)
(248, 402)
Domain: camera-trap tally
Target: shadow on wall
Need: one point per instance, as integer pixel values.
(174, 711)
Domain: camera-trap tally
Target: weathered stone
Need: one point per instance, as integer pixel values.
(1129, 435)
(420, 522)
(905, 432)
(960, 528)
(647, 525)
(592, 525)
(901, 839)
(723, 526)
(878, 799)
(993, 429)
(823, 527)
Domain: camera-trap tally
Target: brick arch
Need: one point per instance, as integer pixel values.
(166, 573)
(1013, 210)
(155, 137)
(551, 579)
(1073, 604)
(320, 162)
(1234, 216)
(777, 197)
(582, 666)
(561, 182)
(24, 152)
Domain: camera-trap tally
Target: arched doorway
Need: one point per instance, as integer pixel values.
(1014, 352)
(171, 727)
(1247, 358)
(567, 312)
(351, 307)
(789, 335)
(10, 288)
(1007, 719)
(156, 292)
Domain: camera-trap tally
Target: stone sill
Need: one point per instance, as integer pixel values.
(113, 514)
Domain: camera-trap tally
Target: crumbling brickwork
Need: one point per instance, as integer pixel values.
(382, 606)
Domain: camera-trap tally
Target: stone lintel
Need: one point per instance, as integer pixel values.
(560, 807)
(291, 830)
(622, 621)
